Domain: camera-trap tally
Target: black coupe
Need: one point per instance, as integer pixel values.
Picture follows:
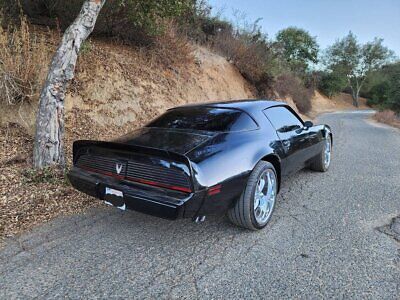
(204, 159)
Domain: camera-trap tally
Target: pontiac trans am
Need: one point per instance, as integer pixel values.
(202, 159)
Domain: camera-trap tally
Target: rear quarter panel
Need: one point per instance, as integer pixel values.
(228, 160)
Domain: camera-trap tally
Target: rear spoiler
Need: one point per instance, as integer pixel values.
(80, 145)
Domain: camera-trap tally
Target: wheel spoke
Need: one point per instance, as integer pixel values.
(327, 152)
(258, 212)
(261, 185)
(256, 201)
(270, 185)
(264, 197)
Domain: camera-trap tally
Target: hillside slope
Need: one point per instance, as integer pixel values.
(121, 93)
(121, 87)
(321, 104)
(118, 88)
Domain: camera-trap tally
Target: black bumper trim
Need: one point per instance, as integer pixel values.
(135, 198)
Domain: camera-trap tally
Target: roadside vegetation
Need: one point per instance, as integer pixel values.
(22, 53)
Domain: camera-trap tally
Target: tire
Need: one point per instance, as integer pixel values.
(243, 213)
(319, 163)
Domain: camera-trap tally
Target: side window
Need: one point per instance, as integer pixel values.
(282, 119)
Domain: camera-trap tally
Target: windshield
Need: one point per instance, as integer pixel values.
(205, 118)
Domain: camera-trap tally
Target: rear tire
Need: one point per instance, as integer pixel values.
(322, 162)
(254, 208)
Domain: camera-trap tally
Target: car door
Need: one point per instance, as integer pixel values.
(293, 135)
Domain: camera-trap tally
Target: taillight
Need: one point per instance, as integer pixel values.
(216, 189)
(159, 184)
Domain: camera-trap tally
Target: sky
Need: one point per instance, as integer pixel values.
(327, 20)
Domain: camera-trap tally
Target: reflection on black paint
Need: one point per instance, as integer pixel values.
(205, 119)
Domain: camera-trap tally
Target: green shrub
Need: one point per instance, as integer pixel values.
(331, 84)
(383, 87)
(199, 25)
(393, 100)
(378, 94)
(132, 20)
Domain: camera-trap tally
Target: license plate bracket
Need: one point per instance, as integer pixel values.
(114, 197)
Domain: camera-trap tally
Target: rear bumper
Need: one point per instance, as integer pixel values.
(146, 199)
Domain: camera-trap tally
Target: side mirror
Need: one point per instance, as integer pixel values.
(308, 124)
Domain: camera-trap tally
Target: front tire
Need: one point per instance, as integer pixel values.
(254, 208)
(322, 162)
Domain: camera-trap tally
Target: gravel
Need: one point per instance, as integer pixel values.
(329, 238)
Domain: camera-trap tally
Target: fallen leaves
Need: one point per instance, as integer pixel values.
(29, 197)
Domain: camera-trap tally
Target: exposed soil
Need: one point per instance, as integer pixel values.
(322, 104)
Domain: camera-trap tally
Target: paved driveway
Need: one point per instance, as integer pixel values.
(327, 239)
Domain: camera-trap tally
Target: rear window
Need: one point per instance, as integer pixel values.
(205, 118)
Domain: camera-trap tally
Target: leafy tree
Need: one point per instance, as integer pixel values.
(379, 93)
(331, 84)
(355, 61)
(298, 48)
(382, 87)
(394, 89)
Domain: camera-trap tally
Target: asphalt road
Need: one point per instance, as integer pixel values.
(328, 238)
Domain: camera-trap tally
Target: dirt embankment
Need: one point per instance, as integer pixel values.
(322, 104)
(121, 87)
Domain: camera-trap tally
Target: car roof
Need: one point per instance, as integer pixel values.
(248, 105)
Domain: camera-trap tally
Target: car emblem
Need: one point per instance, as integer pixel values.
(118, 168)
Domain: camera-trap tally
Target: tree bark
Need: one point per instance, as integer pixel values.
(354, 93)
(49, 147)
(355, 100)
(355, 97)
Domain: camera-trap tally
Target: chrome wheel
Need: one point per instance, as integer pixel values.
(328, 150)
(264, 196)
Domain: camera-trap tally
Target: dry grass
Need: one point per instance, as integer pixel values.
(388, 117)
(252, 59)
(171, 49)
(23, 57)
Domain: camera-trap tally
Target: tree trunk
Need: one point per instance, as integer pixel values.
(357, 91)
(354, 93)
(355, 99)
(49, 147)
